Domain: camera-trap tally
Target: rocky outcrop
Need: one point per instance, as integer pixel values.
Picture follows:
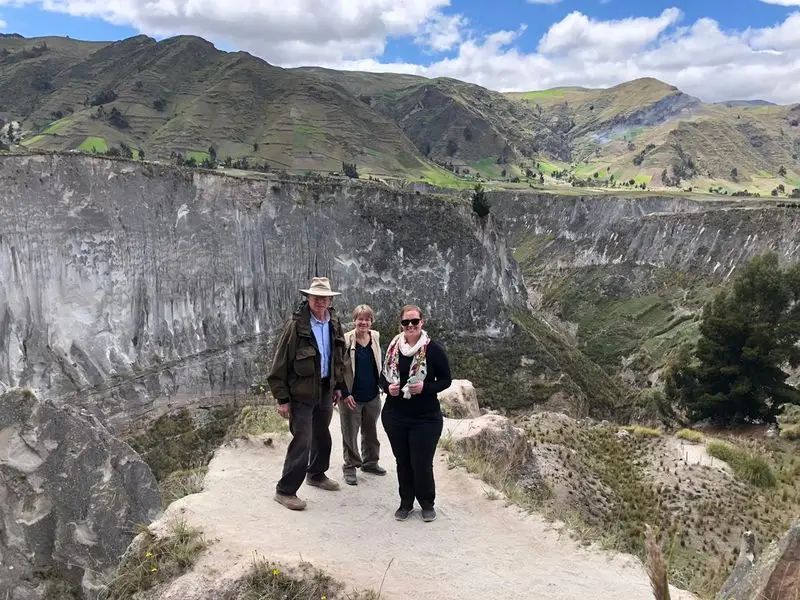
(708, 238)
(130, 289)
(71, 497)
(497, 441)
(775, 575)
(460, 401)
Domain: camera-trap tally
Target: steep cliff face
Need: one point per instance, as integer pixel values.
(627, 277)
(127, 288)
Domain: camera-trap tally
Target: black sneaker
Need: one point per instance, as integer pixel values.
(428, 515)
(401, 514)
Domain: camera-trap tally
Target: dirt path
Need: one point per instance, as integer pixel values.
(477, 548)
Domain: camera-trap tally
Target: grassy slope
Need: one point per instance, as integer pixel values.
(239, 104)
(313, 119)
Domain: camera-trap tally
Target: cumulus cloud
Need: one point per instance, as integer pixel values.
(782, 2)
(3, 25)
(699, 57)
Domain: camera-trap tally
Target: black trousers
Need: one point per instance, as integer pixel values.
(413, 441)
(309, 452)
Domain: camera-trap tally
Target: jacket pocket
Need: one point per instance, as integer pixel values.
(305, 361)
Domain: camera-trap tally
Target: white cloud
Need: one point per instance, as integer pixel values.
(578, 34)
(442, 32)
(699, 57)
(3, 25)
(782, 2)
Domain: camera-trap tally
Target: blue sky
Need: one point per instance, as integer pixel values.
(714, 49)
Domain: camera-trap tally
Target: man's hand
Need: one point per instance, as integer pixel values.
(337, 395)
(394, 389)
(350, 402)
(284, 410)
(415, 388)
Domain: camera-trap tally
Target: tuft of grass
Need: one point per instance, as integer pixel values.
(152, 559)
(791, 432)
(255, 420)
(643, 432)
(269, 581)
(751, 468)
(690, 435)
(183, 482)
(656, 565)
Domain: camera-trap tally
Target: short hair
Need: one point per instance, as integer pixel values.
(363, 308)
(409, 307)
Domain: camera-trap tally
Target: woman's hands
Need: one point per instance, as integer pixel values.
(394, 389)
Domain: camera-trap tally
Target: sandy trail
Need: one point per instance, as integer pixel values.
(477, 548)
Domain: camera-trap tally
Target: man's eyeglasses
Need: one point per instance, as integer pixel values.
(407, 322)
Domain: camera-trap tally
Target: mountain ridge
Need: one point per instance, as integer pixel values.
(183, 96)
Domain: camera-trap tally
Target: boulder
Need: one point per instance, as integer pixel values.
(496, 440)
(775, 575)
(71, 496)
(460, 401)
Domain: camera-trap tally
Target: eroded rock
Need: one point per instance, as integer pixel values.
(499, 442)
(775, 575)
(71, 497)
(460, 401)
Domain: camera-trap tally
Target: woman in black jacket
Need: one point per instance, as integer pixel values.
(415, 370)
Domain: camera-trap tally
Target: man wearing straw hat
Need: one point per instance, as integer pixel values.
(307, 379)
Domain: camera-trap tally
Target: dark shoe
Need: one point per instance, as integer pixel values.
(323, 483)
(291, 502)
(350, 478)
(377, 470)
(401, 514)
(428, 515)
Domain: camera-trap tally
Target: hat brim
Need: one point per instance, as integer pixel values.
(319, 293)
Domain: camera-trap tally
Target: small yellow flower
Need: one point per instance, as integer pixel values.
(276, 572)
(149, 555)
(323, 598)
(153, 570)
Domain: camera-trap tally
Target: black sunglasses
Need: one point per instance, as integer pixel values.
(407, 322)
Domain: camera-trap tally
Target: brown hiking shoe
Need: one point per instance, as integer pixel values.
(323, 482)
(290, 502)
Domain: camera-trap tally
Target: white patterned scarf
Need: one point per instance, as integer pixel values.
(419, 364)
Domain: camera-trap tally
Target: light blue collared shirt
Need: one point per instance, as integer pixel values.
(323, 337)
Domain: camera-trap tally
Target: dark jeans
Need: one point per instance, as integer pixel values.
(413, 441)
(309, 451)
(364, 417)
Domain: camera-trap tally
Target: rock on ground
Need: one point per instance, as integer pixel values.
(460, 400)
(775, 575)
(71, 496)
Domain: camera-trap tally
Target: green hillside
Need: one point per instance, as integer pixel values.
(182, 96)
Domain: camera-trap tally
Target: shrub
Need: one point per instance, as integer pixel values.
(689, 435)
(152, 560)
(640, 431)
(746, 466)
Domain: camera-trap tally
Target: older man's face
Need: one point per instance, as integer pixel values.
(319, 305)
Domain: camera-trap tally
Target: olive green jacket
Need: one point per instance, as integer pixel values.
(296, 371)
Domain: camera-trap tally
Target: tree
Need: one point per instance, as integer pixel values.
(748, 332)
(782, 171)
(734, 174)
(480, 203)
(212, 154)
(141, 154)
(350, 170)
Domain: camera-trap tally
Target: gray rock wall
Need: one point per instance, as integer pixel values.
(127, 289)
(71, 497)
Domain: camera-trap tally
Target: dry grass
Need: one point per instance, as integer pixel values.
(182, 482)
(151, 559)
(269, 581)
(257, 419)
(656, 565)
(689, 435)
(608, 490)
(747, 466)
(641, 431)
